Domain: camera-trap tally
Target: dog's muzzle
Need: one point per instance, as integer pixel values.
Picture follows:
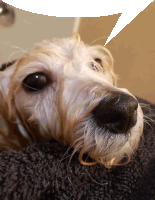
(118, 114)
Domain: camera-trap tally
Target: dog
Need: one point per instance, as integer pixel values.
(66, 90)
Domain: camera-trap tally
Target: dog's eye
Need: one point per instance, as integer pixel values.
(98, 61)
(94, 65)
(35, 82)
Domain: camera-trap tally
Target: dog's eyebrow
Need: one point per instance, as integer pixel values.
(5, 65)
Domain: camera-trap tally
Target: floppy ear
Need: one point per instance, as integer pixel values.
(6, 71)
(10, 136)
(5, 77)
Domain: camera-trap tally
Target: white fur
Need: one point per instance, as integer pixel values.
(63, 110)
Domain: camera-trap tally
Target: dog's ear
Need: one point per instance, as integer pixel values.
(5, 77)
(10, 136)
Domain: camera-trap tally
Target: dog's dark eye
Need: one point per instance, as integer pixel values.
(94, 66)
(35, 82)
(98, 61)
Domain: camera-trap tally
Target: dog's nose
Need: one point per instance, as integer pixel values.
(117, 114)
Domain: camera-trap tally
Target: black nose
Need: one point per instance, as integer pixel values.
(117, 114)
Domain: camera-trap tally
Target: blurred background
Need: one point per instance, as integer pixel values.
(133, 48)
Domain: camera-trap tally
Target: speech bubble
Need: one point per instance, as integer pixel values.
(130, 9)
(128, 15)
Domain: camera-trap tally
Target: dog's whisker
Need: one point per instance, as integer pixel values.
(144, 105)
(63, 158)
(100, 38)
(13, 54)
(147, 122)
(71, 155)
(102, 184)
(149, 119)
(22, 50)
(147, 106)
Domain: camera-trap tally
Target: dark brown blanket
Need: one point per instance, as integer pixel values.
(44, 171)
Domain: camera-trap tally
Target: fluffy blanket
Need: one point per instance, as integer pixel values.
(44, 171)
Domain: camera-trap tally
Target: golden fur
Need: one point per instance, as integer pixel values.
(62, 110)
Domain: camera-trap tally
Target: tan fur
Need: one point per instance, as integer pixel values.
(62, 110)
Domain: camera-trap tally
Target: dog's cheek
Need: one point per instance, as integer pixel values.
(25, 104)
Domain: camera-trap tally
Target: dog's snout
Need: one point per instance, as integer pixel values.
(117, 114)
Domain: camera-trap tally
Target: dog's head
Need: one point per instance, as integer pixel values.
(67, 91)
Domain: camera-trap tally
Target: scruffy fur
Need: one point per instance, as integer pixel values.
(62, 111)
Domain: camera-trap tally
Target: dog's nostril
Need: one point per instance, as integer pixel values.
(117, 117)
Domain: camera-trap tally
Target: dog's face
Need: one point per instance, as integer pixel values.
(67, 91)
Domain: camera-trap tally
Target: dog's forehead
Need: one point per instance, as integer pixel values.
(58, 52)
(64, 47)
(73, 48)
(59, 56)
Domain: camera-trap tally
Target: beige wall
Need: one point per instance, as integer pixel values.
(133, 49)
(30, 28)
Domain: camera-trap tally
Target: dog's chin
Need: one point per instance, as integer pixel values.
(109, 148)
